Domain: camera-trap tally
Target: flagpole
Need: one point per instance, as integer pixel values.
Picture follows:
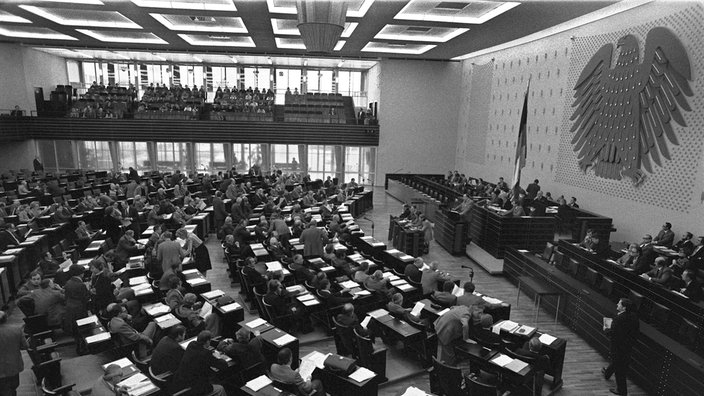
(521, 143)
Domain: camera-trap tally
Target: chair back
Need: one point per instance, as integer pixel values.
(558, 259)
(159, 380)
(449, 379)
(606, 286)
(478, 388)
(286, 387)
(547, 253)
(345, 341)
(36, 324)
(26, 305)
(259, 298)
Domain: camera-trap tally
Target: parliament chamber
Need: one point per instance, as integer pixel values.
(228, 197)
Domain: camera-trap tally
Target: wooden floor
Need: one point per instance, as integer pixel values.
(582, 363)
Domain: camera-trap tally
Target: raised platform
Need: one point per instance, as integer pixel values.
(485, 260)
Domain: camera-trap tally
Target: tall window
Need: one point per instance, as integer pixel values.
(287, 79)
(94, 155)
(210, 157)
(171, 156)
(286, 157)
(135, 155)
(360, 163)
(321, 161)
(245, 155)
(257, 77)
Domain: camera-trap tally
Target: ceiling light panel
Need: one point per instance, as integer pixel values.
(209, 5)
(83, 18)
(196, 23)
(31, 32)
(355, 8)
(93, 2)
(392, 48)
(419, 33)
(120, 36)
(339, 45)
(65, 53)
(7, 17)
(289, 43)
(289, 27)
(218, 40)
(454, 11)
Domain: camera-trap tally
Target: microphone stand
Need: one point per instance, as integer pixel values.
(471, 272)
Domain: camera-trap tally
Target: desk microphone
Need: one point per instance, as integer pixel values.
(471, 272)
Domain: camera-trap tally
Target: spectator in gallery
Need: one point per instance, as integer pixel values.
(665, 237)
(573, 203)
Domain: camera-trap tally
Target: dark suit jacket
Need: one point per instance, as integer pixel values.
(624, 331)
(167, 356)
(694, 290)
(194, 369)
(413, 273)
(219, 211)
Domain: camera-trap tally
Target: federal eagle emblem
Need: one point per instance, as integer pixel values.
(622, 114)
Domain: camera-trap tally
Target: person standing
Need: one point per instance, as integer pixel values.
(11, 364)
(450, 327)
(624, 330)
(313, 240)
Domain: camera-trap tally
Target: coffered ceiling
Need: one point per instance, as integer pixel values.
(229, 29)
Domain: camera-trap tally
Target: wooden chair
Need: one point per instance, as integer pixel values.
(52, 381)
(477, 387)
(281, 321)
(447, 380)
(259, 299)
(637, 300)
(558, 259)
(688, 334)
(547, 253)
(345, 342)
(592, 277)
(606, 287)
(370, 356)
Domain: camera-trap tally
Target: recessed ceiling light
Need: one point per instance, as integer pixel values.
(288, 9)
(419, 33)
(94, 2)
(339, 45)
(7, 17)
(113, 36)
(213, 5)
(225, 41)
(34, 33)
(202, 24)
(83, 18)
(465, 12)
(289, 43)
(397, 48)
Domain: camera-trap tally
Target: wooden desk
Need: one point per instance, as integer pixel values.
(229, 314)
(91, 336)
(396, 260)
(196, 282)
(451, 233)
(660, 364)
(12, 274)
(484, 358)
(342, 385)
(406, 240)
(271, 346)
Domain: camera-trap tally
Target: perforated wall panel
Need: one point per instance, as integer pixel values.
(669, 184)
(472, 122)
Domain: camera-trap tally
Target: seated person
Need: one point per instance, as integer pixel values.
(246, 350)
(34, 283)
(628, 257)
(334, 299)
(665, 237)
(692, 288)
(445, 297)
(194, 369)
(685, 246)
(341, 264)
(281, 305)
(316, 281)
(662, 273)
(532, 349)
(168, 353)
(107, 384)
(300, 271)
(256, 279)
(189, 311)
(347, 317)
(120, 324)
(637, 262)
(281, 371)
(329, 253)
(395, 306)
(174, 295)
(361, 274)
(591, 240)
(49, 301)
(476, 303)
(377, 283)
(413, 272)
(83, 235)
(483, 333)
(431, 278)
(48, 265)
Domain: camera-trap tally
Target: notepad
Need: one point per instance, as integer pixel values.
(405, 287)
(502, 360)
(349, 284)
(516, 365)
(133, 381)
(258, 383)
(284, 339)
(417, 308)
(306, 297)
(213, 294)
(363, 293)
(196, 281)
(547, 339)
(190, 271)
(97, 338)
(124, 362)
(362, 374)
(310, 303)
(256, 323)
(273, 266)
(366, 321)
(378, 313)
(230, 307)
(88, 320)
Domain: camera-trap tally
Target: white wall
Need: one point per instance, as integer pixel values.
(673, 192)
(17, 155)
(22, 69)
(417, 116)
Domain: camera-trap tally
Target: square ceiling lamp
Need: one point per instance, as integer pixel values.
(321, 23)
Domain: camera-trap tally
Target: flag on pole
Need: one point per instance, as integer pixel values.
(521, 145)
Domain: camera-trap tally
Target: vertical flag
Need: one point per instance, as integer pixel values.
(521, 144)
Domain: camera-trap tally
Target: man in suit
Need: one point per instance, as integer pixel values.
(11, 365)
(413, 272)
(107, 384)
(119, 324)
(281, 371)
(219, 211)
(432, 279)
(194, 368)
(246, 350)
(665, 237)
(648, 254)
(532, 189)
(450, 327)
(662, 273)
(692, 288)
(445, 297)
(168, 353)
(313, 240)
(476, 303)
(624, 330)
(685, 245)
(9, 237)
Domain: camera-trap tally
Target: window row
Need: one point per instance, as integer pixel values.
(319, 161)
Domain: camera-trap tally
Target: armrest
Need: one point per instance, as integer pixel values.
(43, 334)
(46, 347)
(182, 392)
(62, 390)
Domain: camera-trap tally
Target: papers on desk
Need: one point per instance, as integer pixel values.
(88, 320)
(516, 365)
(492, 300)
(378, 313)
(366, 321)
(392, 251)
(501, 360)
(362, 374)
(306, 369)
(317, 358)
(97, 338)
(273, 266)
(213, 294)
(509, 326)
(417, 308)
(413, 391)
(547, 339)
(407, 257)
(256, 323)
(398, 281)
(196, 281)
(523, 250)
(138, 280)
(258, 383)
(444, 311)
(190, 271)
(157, 309)
(284, 339)
(230, 307)
(525, 330)
(124, 362)
(141, 286)
(133, 381)
(205, 310)
(405, 287)
(350, 284)
(362, 292)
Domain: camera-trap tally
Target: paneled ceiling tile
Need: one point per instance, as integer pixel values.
(394, 48)
(289, 27)
(121, 36)
(83, 18)
(289, 43)
(419, 33)
(64, 52)
(31, 32)
(93, 2)
(454, 11)
(211, 5)
(218, 40)
(355, 8)
(7, 17)
(200, 23)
